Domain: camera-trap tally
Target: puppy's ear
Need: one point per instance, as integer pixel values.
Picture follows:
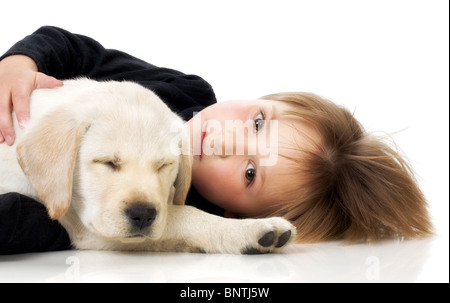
(183, 180)
(47, 156)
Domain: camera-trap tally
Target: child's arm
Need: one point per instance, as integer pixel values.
(63, 55)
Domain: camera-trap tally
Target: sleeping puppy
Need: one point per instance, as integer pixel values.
(111, 162)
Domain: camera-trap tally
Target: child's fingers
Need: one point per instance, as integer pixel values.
(21, 104)
(16, 95)
(21, 94)
(6, 126)
(44, 81)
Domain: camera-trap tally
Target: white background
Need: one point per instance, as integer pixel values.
(386, 60)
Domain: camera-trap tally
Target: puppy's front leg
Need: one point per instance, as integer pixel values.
(190, 229)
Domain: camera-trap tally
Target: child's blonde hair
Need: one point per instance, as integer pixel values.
(357, 188)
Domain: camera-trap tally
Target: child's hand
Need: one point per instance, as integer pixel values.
(18, 78)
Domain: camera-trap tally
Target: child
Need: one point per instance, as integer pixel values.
(327, 175)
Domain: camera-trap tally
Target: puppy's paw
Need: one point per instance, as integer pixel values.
(272, 234)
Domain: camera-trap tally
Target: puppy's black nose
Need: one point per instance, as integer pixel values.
(141, 215)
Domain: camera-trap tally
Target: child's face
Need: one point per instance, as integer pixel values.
(236, 146)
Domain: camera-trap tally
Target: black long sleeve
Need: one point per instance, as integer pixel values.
(26, 227)
(64, 55)
(24, 223)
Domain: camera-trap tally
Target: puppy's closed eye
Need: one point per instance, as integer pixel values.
(113, 164)
(163, 163)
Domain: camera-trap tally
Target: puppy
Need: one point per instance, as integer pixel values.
(111, 162)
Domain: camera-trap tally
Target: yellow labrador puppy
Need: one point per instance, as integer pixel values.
(110, 161)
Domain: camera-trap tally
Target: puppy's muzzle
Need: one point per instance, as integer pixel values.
(141, 217)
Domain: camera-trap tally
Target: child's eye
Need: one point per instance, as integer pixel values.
(250, 173)
(259, 121)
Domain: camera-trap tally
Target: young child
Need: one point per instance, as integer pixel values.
(320, 170)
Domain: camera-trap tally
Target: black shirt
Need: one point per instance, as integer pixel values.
(24, 223)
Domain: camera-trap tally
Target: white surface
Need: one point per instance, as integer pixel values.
(388, 60)
(407, 261)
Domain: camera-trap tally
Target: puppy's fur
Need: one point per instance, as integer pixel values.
(111, 162)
